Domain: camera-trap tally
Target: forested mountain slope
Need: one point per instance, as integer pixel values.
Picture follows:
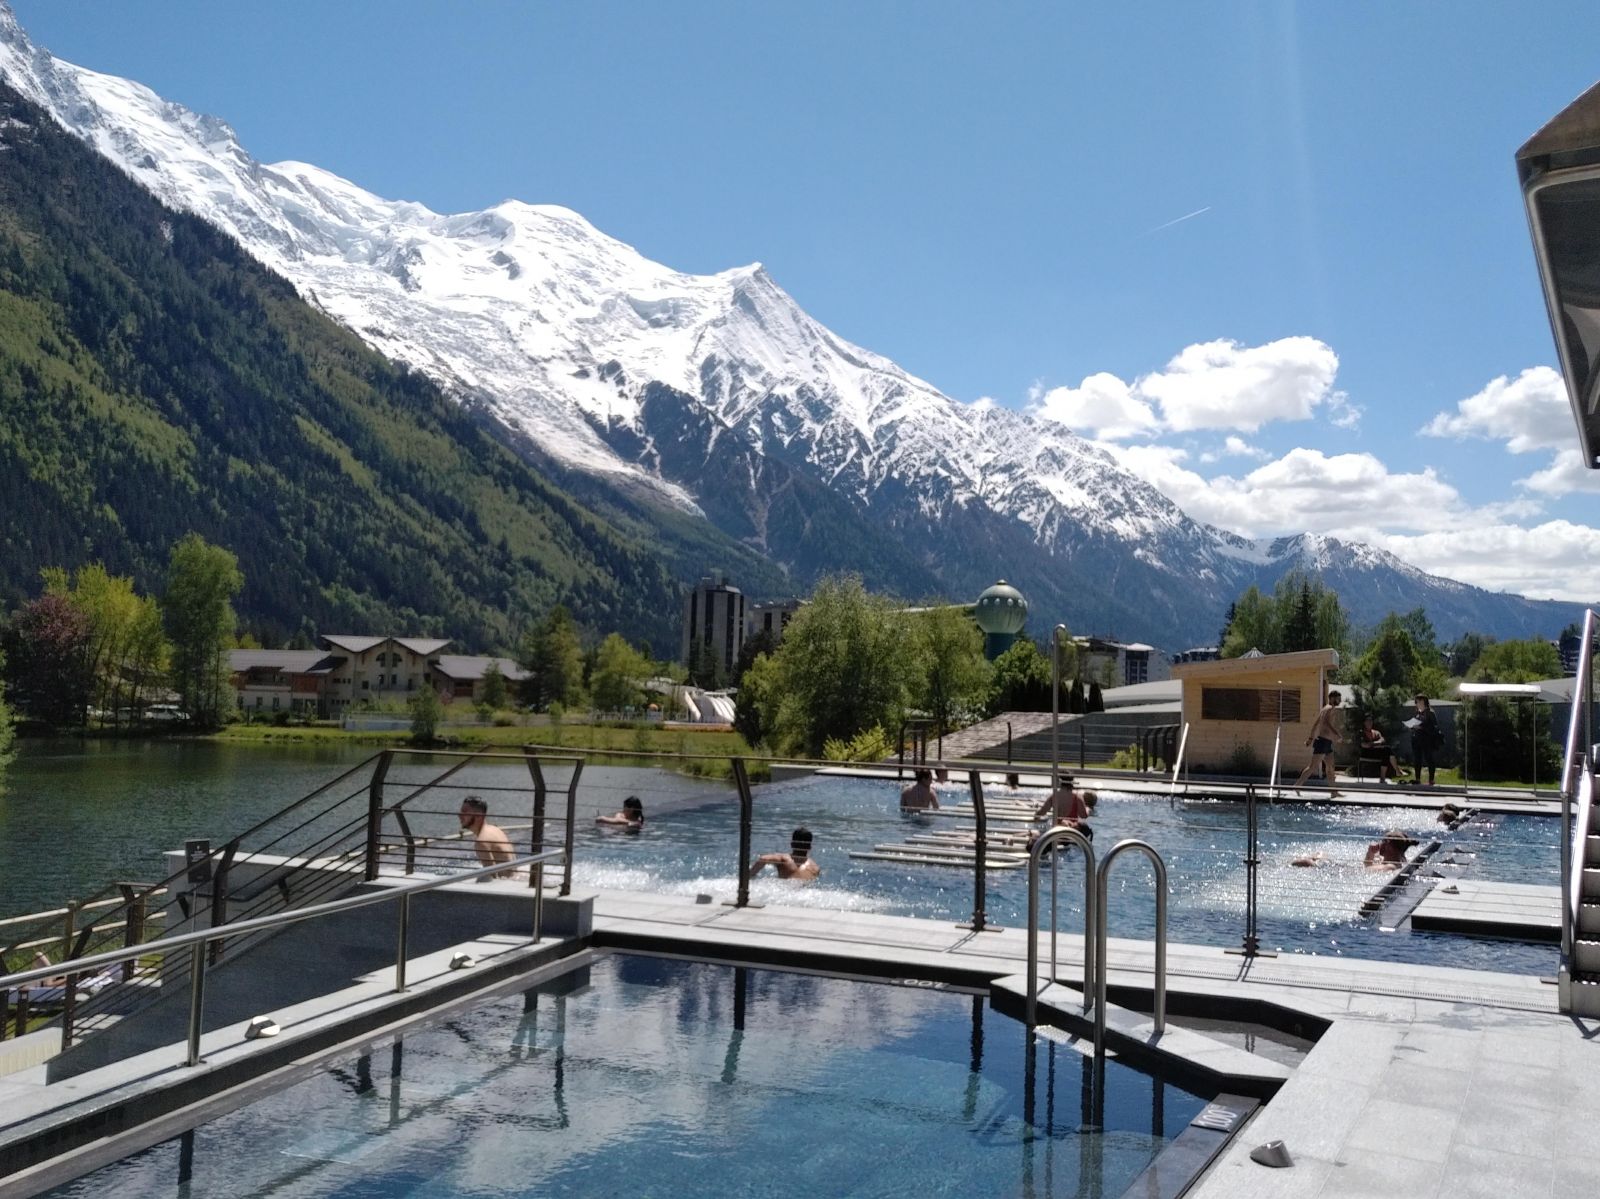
(155, 379)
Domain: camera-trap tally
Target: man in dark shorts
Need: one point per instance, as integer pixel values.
(1324, 732)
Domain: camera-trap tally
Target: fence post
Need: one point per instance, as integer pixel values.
(375, 811)
(980, 858)
(69, 988)
(133, 925)
(1083, 748)
(572, 829)
(540, 795)
(741, 780)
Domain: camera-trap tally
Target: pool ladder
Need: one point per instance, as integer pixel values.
(1095, 894)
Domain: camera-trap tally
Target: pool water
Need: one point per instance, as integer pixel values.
(649, 1077)
(1312, 911)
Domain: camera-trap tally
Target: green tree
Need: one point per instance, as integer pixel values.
(496, 692)
(757, 695)
(197, 610)
(1020, 680)
(765, 641)
(1466, 649)
(1391, 659)
(1097, 702)
(846, 664)
(427, 710)
(553, 659)
(619, 675)
(127, 648)
(955, 675)
(1302, 613)
(1516, 662)
(8, 731)
(1253, 625)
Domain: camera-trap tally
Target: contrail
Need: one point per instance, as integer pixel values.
(1178, 220)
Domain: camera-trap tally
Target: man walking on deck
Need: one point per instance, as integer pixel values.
(1324, 732)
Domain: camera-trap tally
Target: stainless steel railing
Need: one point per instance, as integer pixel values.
(1100, 939)
(1047, 841)
(197, 941)
(1577, 782)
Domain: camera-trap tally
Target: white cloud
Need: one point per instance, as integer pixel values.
(1303, 491)
(1102, 403)
(1530, 412)
(1565, 474)
(1212, 385)
(1554, 560)
(1223, 385)
(1240, 448)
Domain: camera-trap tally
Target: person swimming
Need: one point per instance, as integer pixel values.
(631, 817)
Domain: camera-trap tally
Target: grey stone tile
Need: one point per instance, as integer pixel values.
(1380, 1176)
(1237, 1177)
(1575, 1174)
(1388, 1129)
(1424, 1086)
(1524, 1048)
(1479, 1172)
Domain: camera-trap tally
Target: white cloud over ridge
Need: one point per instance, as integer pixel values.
(1212, 385)
(1529, 412)
(1555, 560)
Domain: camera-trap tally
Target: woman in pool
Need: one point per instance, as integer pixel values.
(631, 817)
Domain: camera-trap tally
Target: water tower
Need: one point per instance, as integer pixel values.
(1001, 612)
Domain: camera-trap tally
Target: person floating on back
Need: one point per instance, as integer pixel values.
(920, 796)
(797, 864)
(1324, 732)
(631, 817)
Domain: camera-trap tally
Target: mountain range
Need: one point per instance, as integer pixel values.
(714, 407)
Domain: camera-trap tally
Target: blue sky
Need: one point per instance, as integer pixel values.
(985, 193)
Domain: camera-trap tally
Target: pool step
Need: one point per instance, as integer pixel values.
(1586, 955)
(1585, 995)
(1591, 850)
(1589, 917)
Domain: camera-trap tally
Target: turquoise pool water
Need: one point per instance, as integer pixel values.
(647, 1077)
(1313, 911)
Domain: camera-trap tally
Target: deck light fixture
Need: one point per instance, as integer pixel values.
(261, 1026)
(1273, 1153)
(463, 961)
(1559, 168)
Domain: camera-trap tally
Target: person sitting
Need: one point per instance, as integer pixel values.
(920, 796)
(631, 817)
(797, 864)
(1389, 850)
(1375, 749)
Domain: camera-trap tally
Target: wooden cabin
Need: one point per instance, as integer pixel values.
(1234, 702)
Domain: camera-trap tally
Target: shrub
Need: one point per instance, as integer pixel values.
(1126, 759)
(872, 745)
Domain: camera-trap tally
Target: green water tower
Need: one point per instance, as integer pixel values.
(1001, 612)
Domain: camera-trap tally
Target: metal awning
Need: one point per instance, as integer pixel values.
(1560, 172)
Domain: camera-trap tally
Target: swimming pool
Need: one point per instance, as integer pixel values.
(1315, 911)
(654, 1077)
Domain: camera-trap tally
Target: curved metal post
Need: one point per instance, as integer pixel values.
(980, 855)
(1048, 840)
(1160, 867)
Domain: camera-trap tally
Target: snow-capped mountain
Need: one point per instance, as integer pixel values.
(715, 394)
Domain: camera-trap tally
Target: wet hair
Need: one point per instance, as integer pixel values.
(924, 775)
(800, 842)
(634, 804)
(473, 804)
(1334, 698)
(1090, 798)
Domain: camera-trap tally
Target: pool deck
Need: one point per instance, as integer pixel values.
(1481, 908)
(1499, 800)
(1429, 1081)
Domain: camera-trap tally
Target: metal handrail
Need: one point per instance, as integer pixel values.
(1100, 938)
(1573, 900)
(1045, 842)
(1581, 716)
(1177, 766)
(200, 938)
(1055, 704)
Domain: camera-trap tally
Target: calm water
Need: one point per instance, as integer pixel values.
(76, 816)
(666, 1078)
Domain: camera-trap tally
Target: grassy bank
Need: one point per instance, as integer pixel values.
(707, 751)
